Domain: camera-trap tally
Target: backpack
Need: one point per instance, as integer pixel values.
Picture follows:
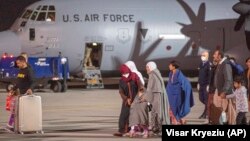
(237, 69)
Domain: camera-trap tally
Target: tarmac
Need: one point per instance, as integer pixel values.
(81, 115)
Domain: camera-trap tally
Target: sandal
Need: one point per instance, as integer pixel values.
(132, 133)
(145, 134)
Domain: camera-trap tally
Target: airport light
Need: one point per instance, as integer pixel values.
(172, 36)
(63, 60)
(5, 55)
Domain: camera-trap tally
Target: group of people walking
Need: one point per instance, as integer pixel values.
(147, 109)
(223, 86)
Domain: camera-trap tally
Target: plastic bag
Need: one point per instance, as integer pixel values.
(8, 102)
(223, 118)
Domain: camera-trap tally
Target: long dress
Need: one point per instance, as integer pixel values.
(156, 95)
(180, 95)
(125, 109)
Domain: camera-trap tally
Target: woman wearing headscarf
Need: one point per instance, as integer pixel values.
(128, 88)
(138, 118)
(138, 114)
(156, 95)
(180, 94)
(132, 67)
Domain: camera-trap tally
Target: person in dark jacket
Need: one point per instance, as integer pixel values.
(223, 83)
(223, 79)
(24, 83)
(211, 89)
(203, 81)
(25, 76)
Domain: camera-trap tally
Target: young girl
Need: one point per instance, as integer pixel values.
(240, 94)
(10, 106)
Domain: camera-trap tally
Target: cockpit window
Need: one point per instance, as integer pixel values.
(51, 16)
(41, 16)
(45, 13)
(51, 8)
(27, 14)
(34, 15)
(45, 8)
(39, 7)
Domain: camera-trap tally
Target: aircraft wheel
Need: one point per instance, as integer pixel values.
(56, 86)
(9, 86)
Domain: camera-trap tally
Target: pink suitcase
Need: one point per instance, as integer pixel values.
(28, 114)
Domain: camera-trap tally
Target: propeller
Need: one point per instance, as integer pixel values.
(243, 8)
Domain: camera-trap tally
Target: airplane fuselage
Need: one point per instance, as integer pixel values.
(161, 30)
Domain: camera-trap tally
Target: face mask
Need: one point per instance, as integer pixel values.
(203, 58)
(125, 75)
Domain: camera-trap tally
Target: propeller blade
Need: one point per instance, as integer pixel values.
(239, 23)
(202, 12)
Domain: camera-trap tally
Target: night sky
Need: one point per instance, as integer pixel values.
(9, 11)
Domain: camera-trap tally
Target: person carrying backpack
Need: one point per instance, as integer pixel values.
(237, 69)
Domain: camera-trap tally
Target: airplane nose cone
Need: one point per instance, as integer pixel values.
(9, 43)
(241, 8)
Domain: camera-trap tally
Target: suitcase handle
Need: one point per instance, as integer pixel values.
(30, 95)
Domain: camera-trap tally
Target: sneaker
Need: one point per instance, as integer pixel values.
(11, 130)
(155, 130)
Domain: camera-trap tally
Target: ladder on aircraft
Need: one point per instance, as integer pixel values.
(93, 77)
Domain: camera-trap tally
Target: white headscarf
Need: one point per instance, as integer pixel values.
(132, 67)
(151, 65)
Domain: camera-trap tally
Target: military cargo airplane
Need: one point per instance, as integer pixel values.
(106, 33)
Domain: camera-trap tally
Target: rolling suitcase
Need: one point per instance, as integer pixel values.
(28, 117)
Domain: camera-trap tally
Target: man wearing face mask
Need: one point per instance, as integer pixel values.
(203, 81)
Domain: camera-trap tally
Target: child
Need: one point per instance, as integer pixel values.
(241, 100)
(11, 107)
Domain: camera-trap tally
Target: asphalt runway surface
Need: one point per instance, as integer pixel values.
(81, 114)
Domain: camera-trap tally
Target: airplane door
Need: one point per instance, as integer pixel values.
(32, 34)
(93, 55)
